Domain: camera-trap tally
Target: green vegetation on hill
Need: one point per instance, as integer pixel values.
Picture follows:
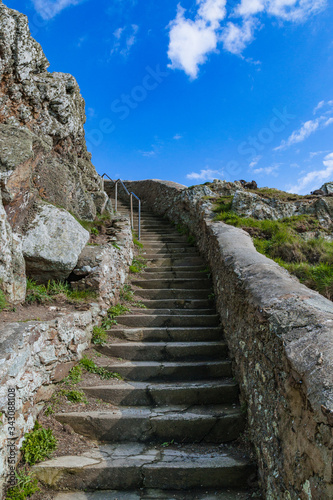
(311, 260)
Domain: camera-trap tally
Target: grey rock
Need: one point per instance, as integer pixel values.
(327, 188)
(53, 243)
(12, 266)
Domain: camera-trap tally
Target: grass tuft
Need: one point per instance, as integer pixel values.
(38, 444)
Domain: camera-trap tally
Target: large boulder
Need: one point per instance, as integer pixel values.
(43, 152)
(12, 266)
(52, 244)
(327, 188)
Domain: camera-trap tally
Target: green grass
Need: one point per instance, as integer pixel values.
(3, 301)
(75, 396)
(42, 294)
(138, 264)
(26, 486)
(38, 444)
(75, 374)
(311, 260)
(99, 336)
(126, 293)
(113, 313)
(90, 366)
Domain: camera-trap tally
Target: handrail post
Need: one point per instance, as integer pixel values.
(116, 196)
(132, 221)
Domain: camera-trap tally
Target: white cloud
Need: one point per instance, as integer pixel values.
(235, 38)
(192, 40)
(125, 38)
(294, 10)
(177, 137)
(319, 106)
(148, 154)
(255, 161)
(267, 170)
(250, 7)
(47, 9)
(299, 135)
(307, 129)
(206, 175)
(314, 179)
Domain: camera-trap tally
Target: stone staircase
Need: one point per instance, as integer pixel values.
(177, 411)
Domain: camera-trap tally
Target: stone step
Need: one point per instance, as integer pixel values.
(205, 392)
(171, 258)
(161, 320)
(142, 371)
(166, 249)
(174, 311)
(183, 283)
(160, 230)
(180, 304)
(164, 351)
(177, 269)
(154, 236)
(155, 494)
(210, 424)
(165, 246)
(175, 274)
(129, 466)
(201, 334)
(171, 293)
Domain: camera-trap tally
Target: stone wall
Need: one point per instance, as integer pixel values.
(35, 354)
(280, 336)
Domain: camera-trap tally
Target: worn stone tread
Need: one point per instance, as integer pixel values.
(135, 465)
(166, 393)
(203, 424)
(154, 370)
(153, 495)
(164, 351)
(166, 334)
(168, 320)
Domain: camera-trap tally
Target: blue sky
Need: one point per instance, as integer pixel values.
(195, 90)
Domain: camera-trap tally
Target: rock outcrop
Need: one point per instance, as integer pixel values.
(12, 266)
(43, 152)
(52, 244)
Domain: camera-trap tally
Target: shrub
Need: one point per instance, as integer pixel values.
(38, 444)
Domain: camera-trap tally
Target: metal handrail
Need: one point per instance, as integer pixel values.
(131, 195)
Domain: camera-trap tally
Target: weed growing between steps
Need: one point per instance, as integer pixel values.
(138, 264)
(99, 336)
(112, 313)
(90, 366)
(310, 260)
